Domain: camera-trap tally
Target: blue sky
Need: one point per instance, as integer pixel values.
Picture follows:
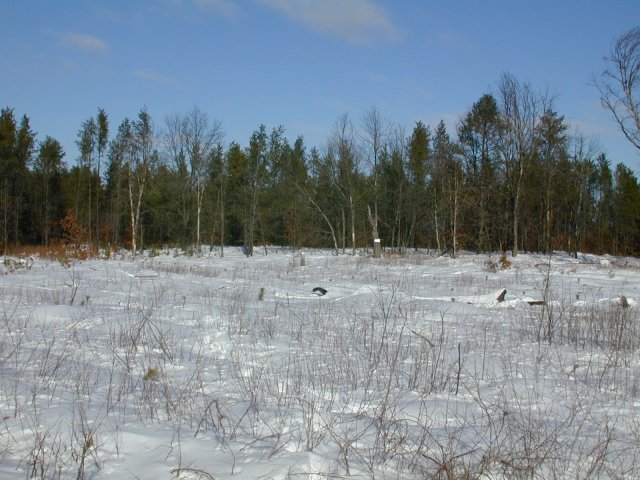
(302, 63)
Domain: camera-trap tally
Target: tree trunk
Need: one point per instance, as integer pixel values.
(353, 224)
(133, 220)
(326, 219)
(516, 208)
(221, 224)
(198, 213)
(455, 218)
(435, 217)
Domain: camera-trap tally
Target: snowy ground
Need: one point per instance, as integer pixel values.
(175, 366)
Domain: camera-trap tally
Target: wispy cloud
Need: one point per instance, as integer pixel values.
(152, 76)
(356, 21)
(226, 8)
(85, 42)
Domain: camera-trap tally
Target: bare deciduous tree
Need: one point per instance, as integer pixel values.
(345, 162)
(191, 141)
(374, 136)
(520, 107)
(619, 84)
(200, 136)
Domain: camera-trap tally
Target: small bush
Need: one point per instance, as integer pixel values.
(152, 374)
(504, 261)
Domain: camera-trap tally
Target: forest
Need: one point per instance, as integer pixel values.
(512, 176)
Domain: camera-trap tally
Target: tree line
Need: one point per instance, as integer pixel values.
(510, 177)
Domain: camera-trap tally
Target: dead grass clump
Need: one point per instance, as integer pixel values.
(504, 261)
(58, 252)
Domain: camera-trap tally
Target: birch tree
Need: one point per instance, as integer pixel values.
(136, 144)
(192, 140)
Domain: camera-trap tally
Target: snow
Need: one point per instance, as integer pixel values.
(411, 366)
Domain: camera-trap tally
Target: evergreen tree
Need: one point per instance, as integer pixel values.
(273, 202)
(477, 134)
(297, 223)
(115, 193)
(237, 196)
(86, 143)
(604, 208)
(102, 138)
(445, 190)
(219, 179)
(551, 148)
(16, 150)
(627, 209)
(394, 186)
(49, 207)
(8, 165)
(256, 177)
(417, 165)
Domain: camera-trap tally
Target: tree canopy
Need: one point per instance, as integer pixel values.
(510, 176)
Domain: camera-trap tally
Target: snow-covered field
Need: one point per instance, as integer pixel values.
(175, 366)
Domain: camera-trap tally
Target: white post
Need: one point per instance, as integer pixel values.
(377, 248)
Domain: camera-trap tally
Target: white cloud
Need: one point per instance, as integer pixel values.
(152, 76)
(85, 42)
(356, 21)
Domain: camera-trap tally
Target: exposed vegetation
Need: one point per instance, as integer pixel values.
(412, 366)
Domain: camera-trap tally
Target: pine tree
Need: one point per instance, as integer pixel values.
(102, 138)
(219, 179)
(86, 143)
(237, 196)
(255, 180)
(445, 191)
(627, 208)
(394, 186)
(7, 171)
(16, 149)
(551, 148)
(48, 169)
(417, 165)
(477, 136)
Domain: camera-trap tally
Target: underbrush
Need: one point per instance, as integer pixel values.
(384, 376)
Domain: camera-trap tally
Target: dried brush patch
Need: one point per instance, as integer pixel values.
(59, 252)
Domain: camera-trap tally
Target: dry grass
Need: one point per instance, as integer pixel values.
(53, 252)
